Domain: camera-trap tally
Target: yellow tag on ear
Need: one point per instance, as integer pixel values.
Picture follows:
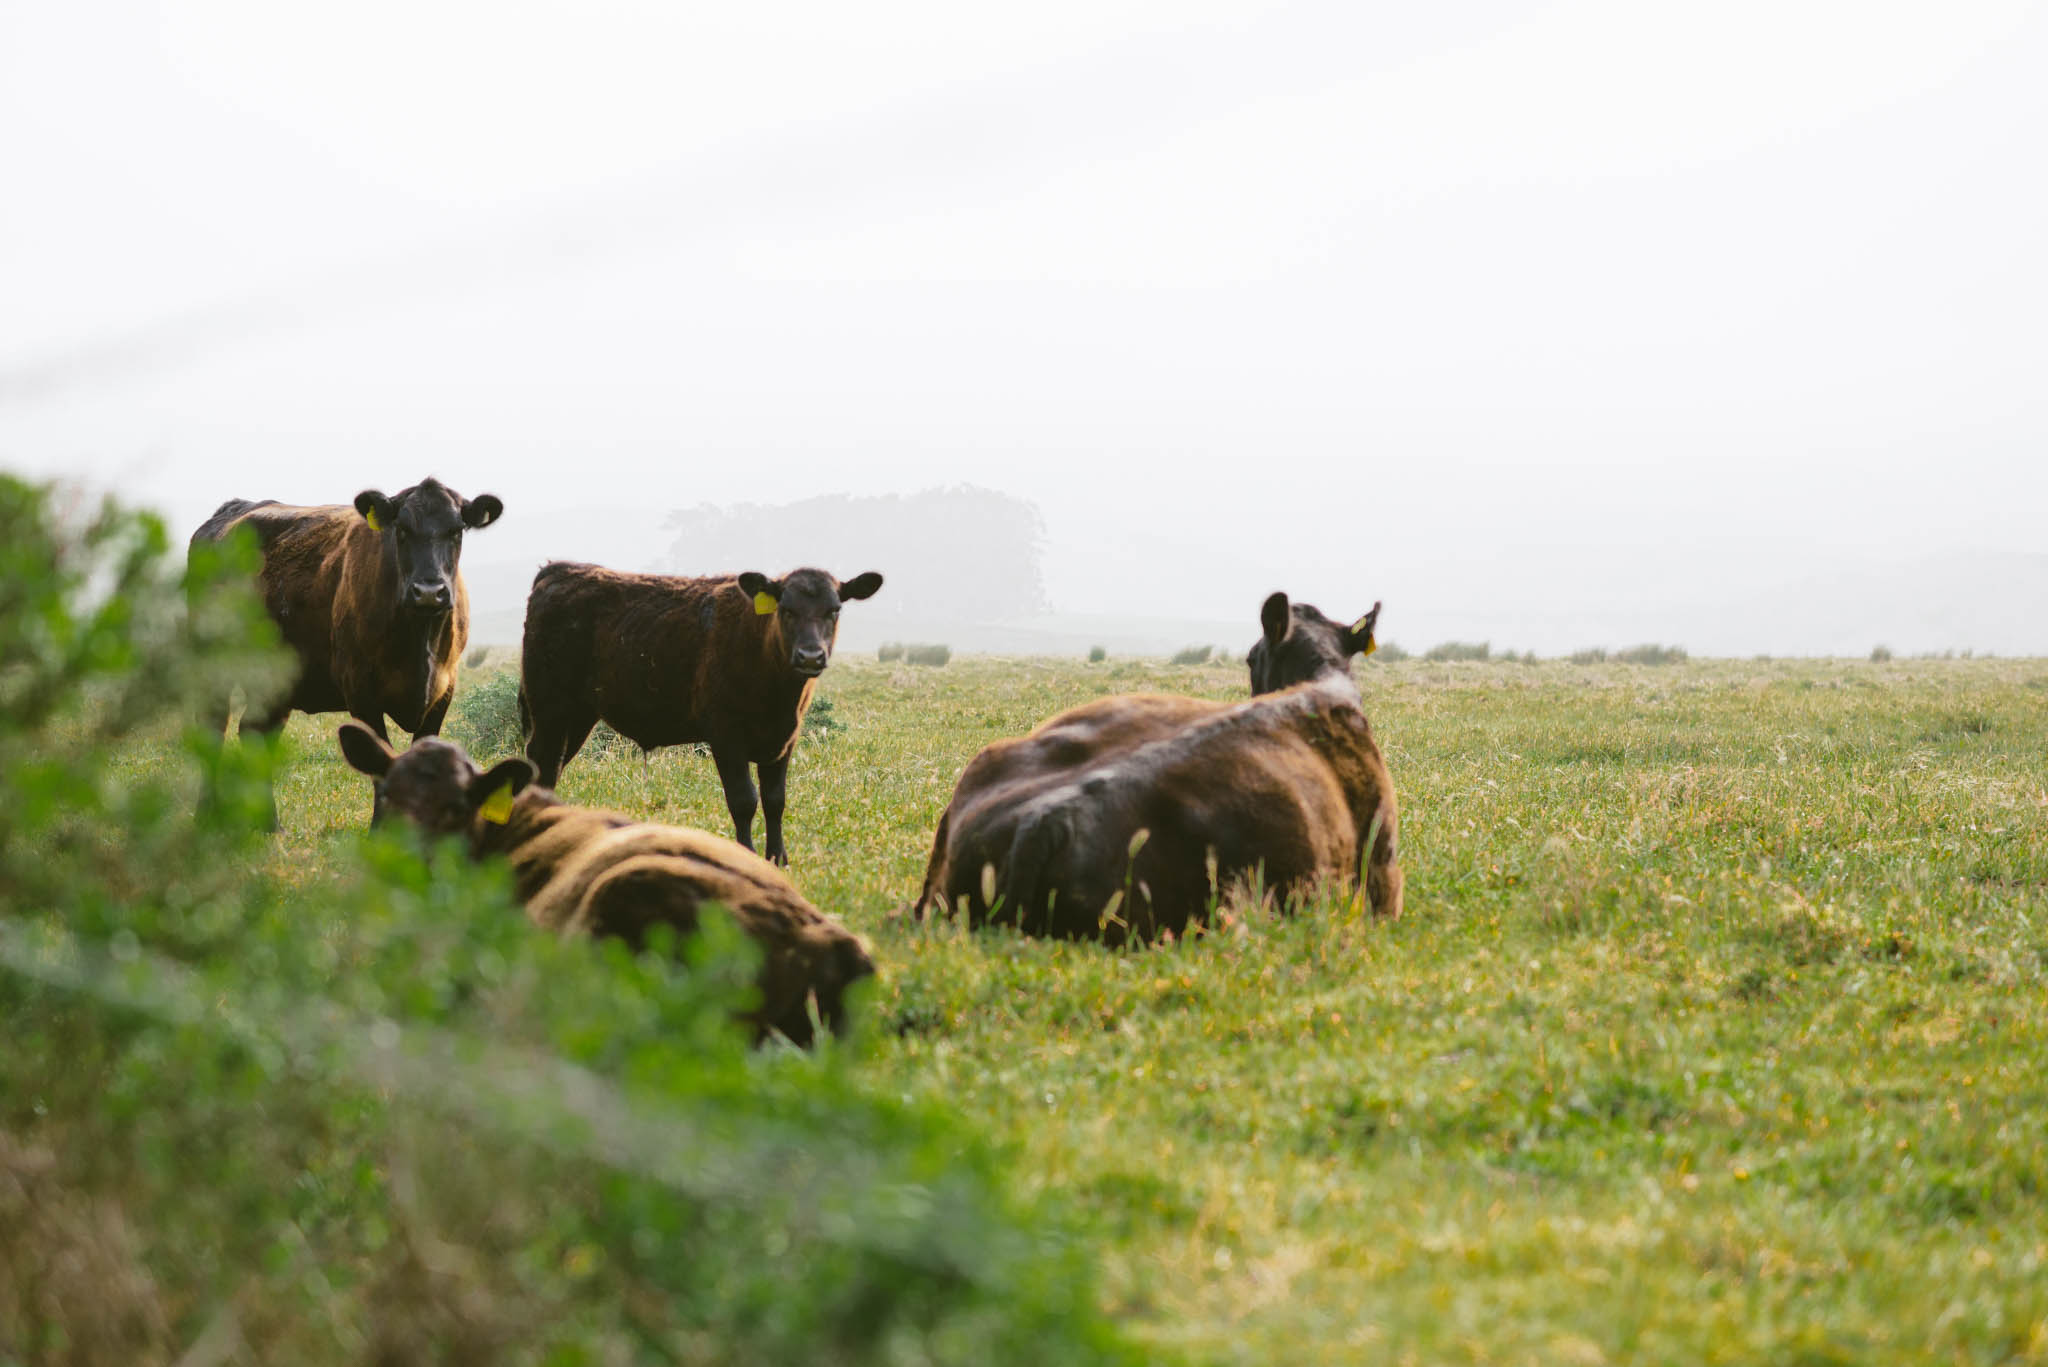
(371, 518)
(1365, 624)
(497, 808)
(764, 603)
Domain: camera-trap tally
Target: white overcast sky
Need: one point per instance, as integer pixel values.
(1536, 320)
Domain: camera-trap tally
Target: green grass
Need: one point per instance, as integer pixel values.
(1714, 1031)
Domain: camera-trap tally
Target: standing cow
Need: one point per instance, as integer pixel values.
(369, 597)
(728, 661)
(1129, 816)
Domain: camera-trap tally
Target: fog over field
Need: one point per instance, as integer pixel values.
(1554, 326)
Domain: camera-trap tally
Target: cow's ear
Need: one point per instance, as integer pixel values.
(491, 792)
(1358, 636)
(764, 593)
(376, 509)
(1276, 618)
(861, 586)
(365, 749)
(481, 511)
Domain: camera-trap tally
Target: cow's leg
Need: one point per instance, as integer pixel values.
(774, 780)
(268, 726)
(554, 742)
(430, 724)
(373, 718)
(739, 792)
(573, 737)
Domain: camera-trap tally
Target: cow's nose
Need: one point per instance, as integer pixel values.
(432, 596)
(811, 660)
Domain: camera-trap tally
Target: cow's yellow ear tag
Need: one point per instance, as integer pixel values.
(371, 518)
(497, 808)
(764, 603)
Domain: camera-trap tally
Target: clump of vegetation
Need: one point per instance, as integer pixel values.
(1652, 654)
(1880, 654)
(1390, 653)
(819, 721)
(1097, 654)
(934, 655)
(1193, 655)
(374, 1116)
(476, 657)
(1591, 655)
(889, 651)
(1459, 650)
(484, 720)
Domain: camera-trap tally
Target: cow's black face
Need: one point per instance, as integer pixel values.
(422, 530)
(1299, 644)
(434, 786)
(806, 608)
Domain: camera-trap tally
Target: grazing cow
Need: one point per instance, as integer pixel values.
(581, 871)
(727, 661)
(370, 598)
(1131, 815)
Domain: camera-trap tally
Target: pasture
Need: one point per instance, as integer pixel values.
(1714, 1030)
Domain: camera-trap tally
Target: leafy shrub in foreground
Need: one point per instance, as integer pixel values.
(376, 1117)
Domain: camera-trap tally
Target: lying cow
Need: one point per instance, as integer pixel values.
(730, 662)
(581, 871)
(1131, 815)
(370, 598)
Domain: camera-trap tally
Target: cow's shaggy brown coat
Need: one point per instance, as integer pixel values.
(583, 871)
(1132, 815)
(666, 660)
(370, 598)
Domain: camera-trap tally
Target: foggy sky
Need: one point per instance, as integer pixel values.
(1553, 325)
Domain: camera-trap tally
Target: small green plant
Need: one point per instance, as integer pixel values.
(1880, 654)
(889, 650)
(484, 718)
(820, 722)
(1097, 654)
(1458, 650)
(1591, 655)
(1193, 655)
(1651, 654)
(1390, 653)
(933, 655)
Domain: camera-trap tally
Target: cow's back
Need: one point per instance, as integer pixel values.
(1281, 785)
(662, 659)
(303, 550)
(586, 871)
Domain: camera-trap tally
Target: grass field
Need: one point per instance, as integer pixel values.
(1714, 1030)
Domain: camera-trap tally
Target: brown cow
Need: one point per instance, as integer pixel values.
(1132, 815)
(581, 871)
(370, 598)
(728, 661)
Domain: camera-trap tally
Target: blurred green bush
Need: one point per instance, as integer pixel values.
(374, 1117)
